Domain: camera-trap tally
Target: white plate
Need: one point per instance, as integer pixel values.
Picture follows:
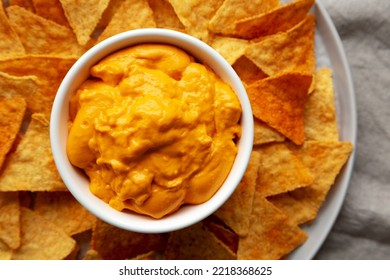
(330, 53)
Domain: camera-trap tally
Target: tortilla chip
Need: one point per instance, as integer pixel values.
(248, 71)
(320, 110)
(63, 209)
(132, 14)
(230, 48)
(196, 243)
(10, 43)
(279, 101)
(37, 232)
(232, 11)
(10, 219)
(51, 10)
(113, 243)
(27, 4)
(195, 16)
(49, 72)
(42, 36)
(235, 212)
(325, 161)
(277, 20)
(33, 159)
(5, 251)
(264, 134)
(280, 171)
(271, 236)
(83, 16)
(92, 255)
(11, 116)
(222, 232)
(291, 51)
(164, 15)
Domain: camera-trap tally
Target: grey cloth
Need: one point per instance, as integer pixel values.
(362, 229)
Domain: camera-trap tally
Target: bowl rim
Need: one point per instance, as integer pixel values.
(74, 77)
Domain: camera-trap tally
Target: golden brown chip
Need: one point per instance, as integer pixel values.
(264, 134)
(41, 239)
(63, 209)
(271, 235)
(222, 232)
(164, 15)
(196, 243)
(10, 219)
(113, 243)
(235, 212)
(132, 14)
(10, 44)
(27, 4)
(280, 171)
(42, 36)
(279, 101)
(232, 11)
(51, 10)
(325, 161)
(33, 159)
(83, 16)
(5, 251)
(195, 16)
(291, 51)
(320, 111)
(277, 20)
(248, 71)
(230, 48)
(92, 255)
(11, 116)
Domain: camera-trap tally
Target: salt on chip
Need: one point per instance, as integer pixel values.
(83, 16)
(195, 16)
(64, 210)
(11, 116)
(264, 134)
(320, 110)
(271, 234)
(164, 15)
(235, 212)
(41, 239)
(132, 14)
(10, 43)
(51, 10)
(248, 71)
(290, 51)
(277, 20)
(10, 219)
(31, 167)
(231, 11)
(279, 101)
(42, 36)
(280, 171)
(114, 243)
(196, 243)
(230, 48)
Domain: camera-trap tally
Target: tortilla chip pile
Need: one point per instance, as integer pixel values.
(296, 157)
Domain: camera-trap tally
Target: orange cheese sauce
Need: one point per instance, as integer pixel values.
(153, 130)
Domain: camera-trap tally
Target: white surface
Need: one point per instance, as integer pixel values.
(78, 183)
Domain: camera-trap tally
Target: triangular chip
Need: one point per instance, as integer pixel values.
(42, 36)
(132, 14)
(279, 101)
(31, 167)
(232, 11)
(235, 212)
(230, 48)
(271, 235)
(51, 10)
(10, 44)
(113, 243)
(196, 243)
(277, 20)
(64, 210)
(195, 16)
(325, 161)
(222, 232)
(320, 110)
(264, 134)
(10, 219)
(291, 51)
(248, 71)
(280, 171)
(83, 16)
(11, 116)
(41, 239)
(164, 15)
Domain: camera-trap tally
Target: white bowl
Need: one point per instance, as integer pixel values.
(78, 183)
